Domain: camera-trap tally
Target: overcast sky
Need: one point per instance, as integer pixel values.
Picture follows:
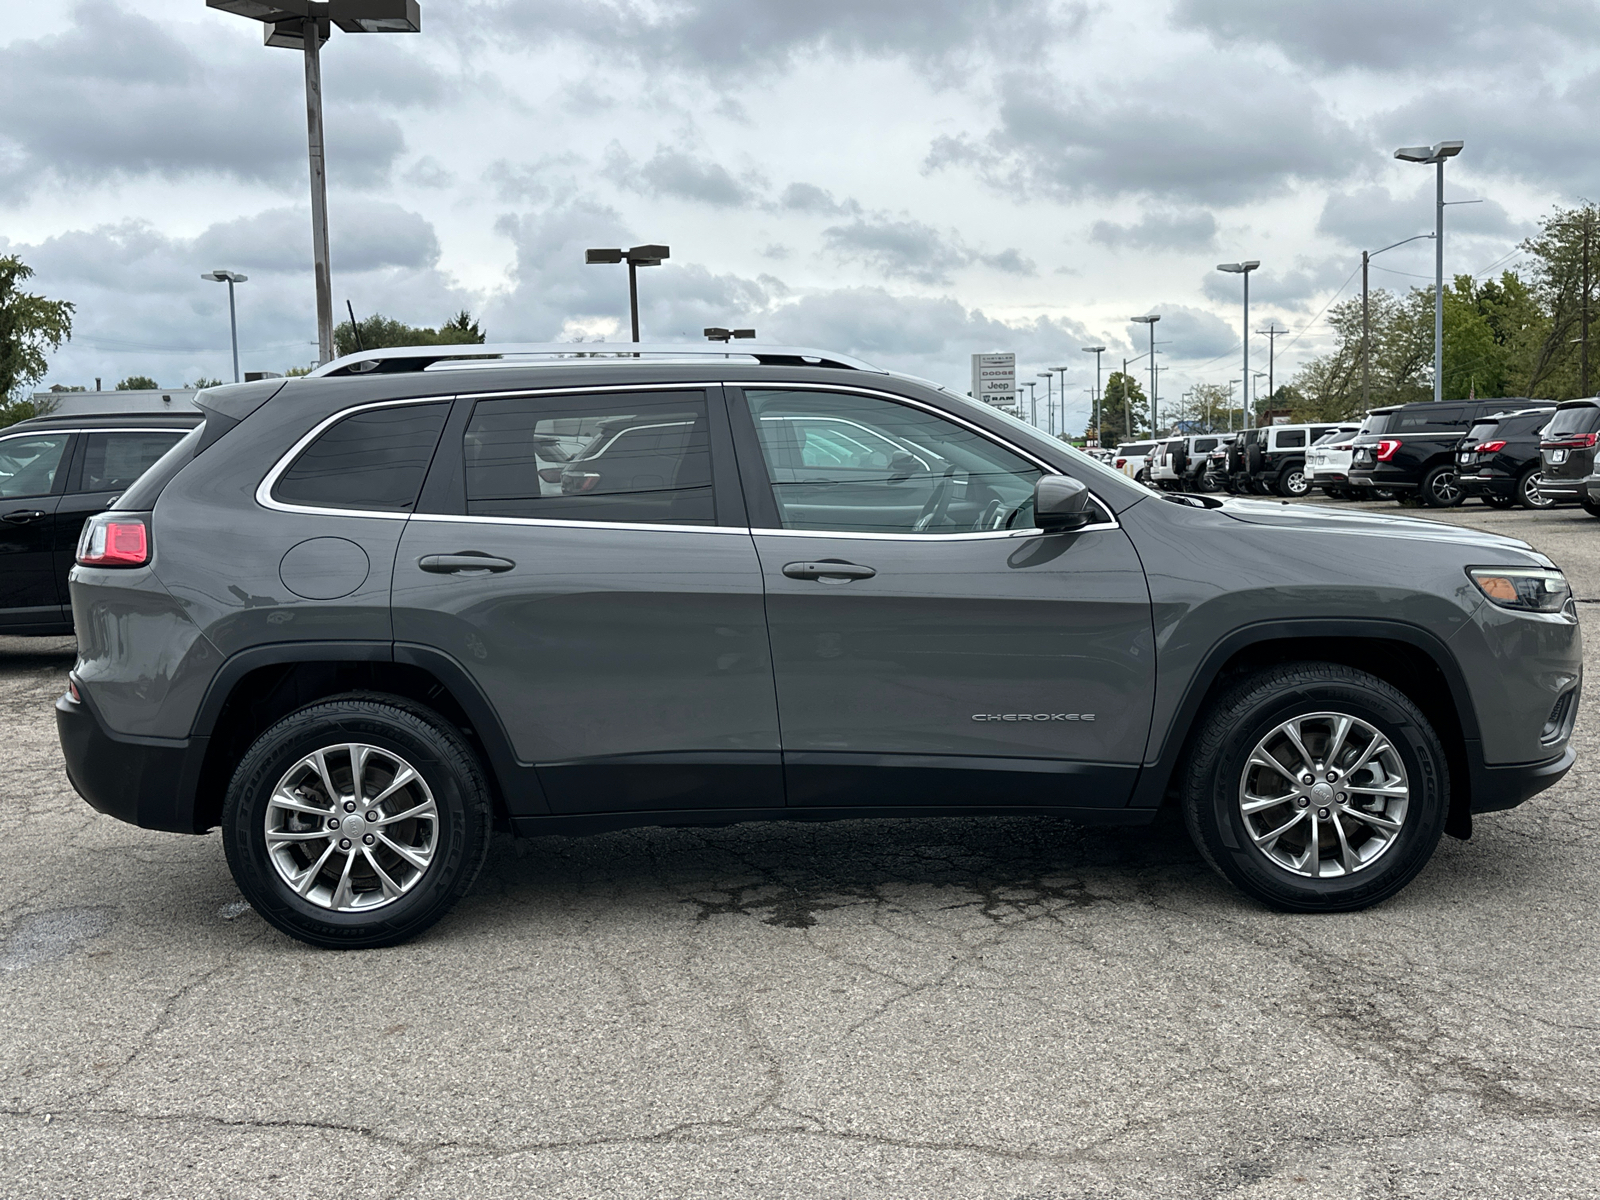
(910, 182)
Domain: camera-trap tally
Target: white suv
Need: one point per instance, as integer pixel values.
(1129, 459)
(1179, 464)
(1328, 462)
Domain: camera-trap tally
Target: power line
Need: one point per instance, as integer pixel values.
(1325, 307)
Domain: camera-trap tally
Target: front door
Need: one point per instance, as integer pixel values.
(589, 564)
(920, 622)
(30, 470)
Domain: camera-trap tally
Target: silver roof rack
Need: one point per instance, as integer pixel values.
(396, 359)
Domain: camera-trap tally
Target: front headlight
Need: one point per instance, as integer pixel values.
(1528, 589)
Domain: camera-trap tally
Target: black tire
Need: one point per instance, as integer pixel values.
(1292, 481)
(1439, 488)
(1528, 494)
(419, 738)
(1590, 507)
(1214, 776)
(1494, 501)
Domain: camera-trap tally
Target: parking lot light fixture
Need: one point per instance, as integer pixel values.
(636, 257)
(1094, 396)
(1150, 320)
(1243, 269)
(1061, 400)
(1049, 381)
(304, 25)
(1436, 154)
(230, 278)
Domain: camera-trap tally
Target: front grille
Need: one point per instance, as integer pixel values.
(1558, 725)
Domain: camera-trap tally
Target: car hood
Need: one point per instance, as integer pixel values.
(1318, 518)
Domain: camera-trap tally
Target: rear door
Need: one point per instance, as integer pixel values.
(930, 646)
(584, 557)
(105, 464)
(32, 473)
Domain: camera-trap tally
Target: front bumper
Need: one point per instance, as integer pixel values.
(1495, 788)
(149, 782)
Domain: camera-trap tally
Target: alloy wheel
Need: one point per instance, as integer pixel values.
(1445, 489)
(351, 827)
(1531, 495)
(1324, 795)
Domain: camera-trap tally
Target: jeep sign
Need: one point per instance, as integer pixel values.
(994, 378)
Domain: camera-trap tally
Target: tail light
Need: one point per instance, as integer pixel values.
(1578, 441)
(1489, 447)
(579, 481)
(550, 474)
(1387, 449)
(115, 540)
(1121, 462)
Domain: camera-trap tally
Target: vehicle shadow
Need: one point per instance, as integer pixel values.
(37, 653)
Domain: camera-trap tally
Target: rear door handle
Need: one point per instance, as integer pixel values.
(828, 572)
(454, 564)
(22, 516)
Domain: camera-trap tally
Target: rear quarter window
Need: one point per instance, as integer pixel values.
(373, 460)
(1290, 439)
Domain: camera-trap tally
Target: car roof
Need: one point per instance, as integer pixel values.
(121, 420)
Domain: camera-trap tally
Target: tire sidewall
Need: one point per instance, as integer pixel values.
(394, 730)
(1222, 824)
(1430, 483)
(1527, 501)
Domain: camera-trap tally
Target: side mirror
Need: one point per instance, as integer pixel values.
(1061, 504)
(903, 466)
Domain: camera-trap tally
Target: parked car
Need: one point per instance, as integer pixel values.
(1179, 464)
(362, 642)
(1130, 459)
(1499, 459)
(1567, 454)
(1328, 462)
(1410, 449)
(1272, 459)
(55, 472)
(1216, 476)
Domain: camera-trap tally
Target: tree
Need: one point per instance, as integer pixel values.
(202, 383)
(1566, 254)
(137, 383)
(1123, 399)
(29, 326)
(378, 330)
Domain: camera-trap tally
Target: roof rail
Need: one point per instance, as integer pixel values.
(397, 359)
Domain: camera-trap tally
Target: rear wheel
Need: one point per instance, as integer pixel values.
(1590, 506)
(1528, 493)
(356, 822)
(1439, 488)
(1315, 787)
(1293, 482)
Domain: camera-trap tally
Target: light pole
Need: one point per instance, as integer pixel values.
(1151, 320)
(230, 278)
(1255, 388)
(1033, 402)
(1094, 396)
(639, 256)
(1233, 383)
(716, 334)
(1366, 318)
(1244, 269)
(1062, 390)
(304, 25)
(1436, 154)
(1049, 380)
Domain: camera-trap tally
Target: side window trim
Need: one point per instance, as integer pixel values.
(264, 495)
(763, 505)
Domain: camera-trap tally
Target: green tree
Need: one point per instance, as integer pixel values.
(1124, 410)
(30, 325)
(378, 330)
(1565, 262)
(137, 383)
(203, 382)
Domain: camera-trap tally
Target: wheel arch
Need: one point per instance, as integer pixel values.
(1411, 658)
(260, 685)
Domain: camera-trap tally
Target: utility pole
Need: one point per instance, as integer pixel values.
(1583, 349)
(1271, 333)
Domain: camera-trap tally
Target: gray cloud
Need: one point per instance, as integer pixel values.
(1252, 136)
(1413, 35)
(682, 175)
(1192, 334)
(1373, 217)
(809, 198)
(908, 249)
(1192, 229)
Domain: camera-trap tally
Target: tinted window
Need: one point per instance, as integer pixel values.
(373, 460)
(1201, 445)
(143, 494)
(1583, 418)
(1428, 418)
(642, 459)
(113, 461)
(28, 463)
(917, 473)
(1291, 439)
(1377, 423)
(1482, 432)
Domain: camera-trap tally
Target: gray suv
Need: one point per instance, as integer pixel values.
(362, 618)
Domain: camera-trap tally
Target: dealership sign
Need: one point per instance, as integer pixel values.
(994, 378)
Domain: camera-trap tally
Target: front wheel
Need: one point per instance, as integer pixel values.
(1293, 483)
(356, 822)
(1440, 489)
(1316, 787)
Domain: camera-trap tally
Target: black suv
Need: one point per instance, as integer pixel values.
(56, 472)
(1411, 449)
(354, 621)
(1568, 455)
(1499, 460)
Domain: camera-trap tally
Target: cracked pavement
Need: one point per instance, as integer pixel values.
(1014, 1008)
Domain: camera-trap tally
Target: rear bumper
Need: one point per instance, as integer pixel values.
(149, 782)
(1567, 489)
(1489, 483)
(1495, 788)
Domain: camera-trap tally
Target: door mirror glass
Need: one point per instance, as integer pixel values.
(1061, 504)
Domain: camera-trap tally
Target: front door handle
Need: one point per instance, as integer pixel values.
(22, 516)
(456, 564)
(828, 571)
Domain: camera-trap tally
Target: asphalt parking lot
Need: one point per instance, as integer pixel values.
(1009, 1008)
